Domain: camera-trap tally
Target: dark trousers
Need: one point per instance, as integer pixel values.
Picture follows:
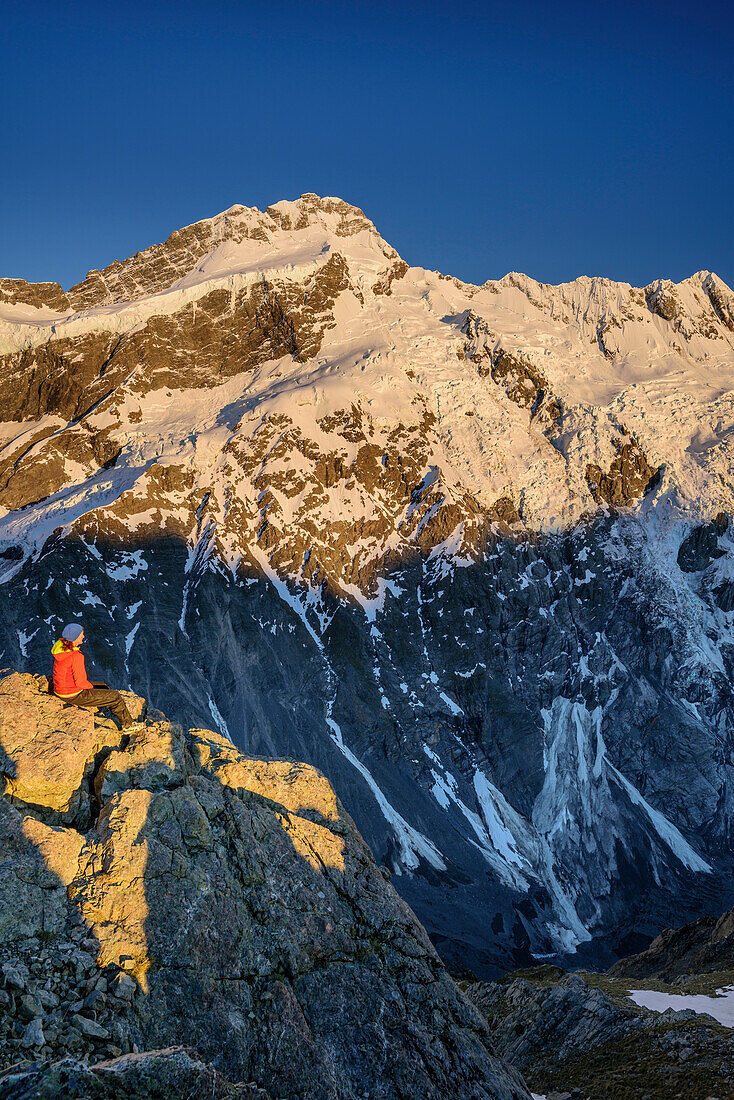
(102, 696)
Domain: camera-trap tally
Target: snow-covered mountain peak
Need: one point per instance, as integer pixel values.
(535, 402)
(333, 215)
(476, 536)
(160, 266)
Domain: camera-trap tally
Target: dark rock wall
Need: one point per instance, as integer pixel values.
(565, 672)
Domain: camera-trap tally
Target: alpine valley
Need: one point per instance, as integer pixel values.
(467, 550)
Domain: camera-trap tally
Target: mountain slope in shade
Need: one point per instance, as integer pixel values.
(703, 947)
(466, 549)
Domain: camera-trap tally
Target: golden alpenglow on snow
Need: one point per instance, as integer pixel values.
(466, 552)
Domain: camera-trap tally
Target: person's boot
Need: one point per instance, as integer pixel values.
(123, 716)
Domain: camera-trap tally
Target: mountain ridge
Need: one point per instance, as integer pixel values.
(228, 225)
(466, 549)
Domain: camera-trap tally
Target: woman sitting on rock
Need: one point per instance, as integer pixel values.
(70, 678)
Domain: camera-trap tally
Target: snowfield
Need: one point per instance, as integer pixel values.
(720, 1006)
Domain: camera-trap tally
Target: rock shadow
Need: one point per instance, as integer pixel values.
(220, 902)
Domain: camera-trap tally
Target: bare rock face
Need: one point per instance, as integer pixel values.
(155, 1075)
(579, 1036)
(721, 299)
(701, 546)
(702, 947)
(48, 751)
(396, 271)
(167, 890)
(18, 291)
(627, 478)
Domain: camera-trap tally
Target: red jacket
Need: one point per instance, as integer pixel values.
(70, 675)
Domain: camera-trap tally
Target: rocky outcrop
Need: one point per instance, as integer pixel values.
(579, 1036)
(628, 477)
(38, 295)
(721, 298)
(702, 947)
(48, 755)
(162, 889)
(153, 1075)
(394, 273)
(520, 378)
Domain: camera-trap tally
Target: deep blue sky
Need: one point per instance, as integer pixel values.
(557, 139)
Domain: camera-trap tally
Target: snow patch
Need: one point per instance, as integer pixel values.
(132, 564)
(413, 844)
(720, 1006)
(24, 639)
(219, 720)
(453, 707)
(129, 639)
